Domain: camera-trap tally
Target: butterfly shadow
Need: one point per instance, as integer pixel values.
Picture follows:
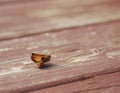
(48, 66)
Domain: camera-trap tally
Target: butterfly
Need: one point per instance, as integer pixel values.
(40, 59)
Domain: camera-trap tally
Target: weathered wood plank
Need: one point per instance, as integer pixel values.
(77, 54)
(108, 83)
(28, 18)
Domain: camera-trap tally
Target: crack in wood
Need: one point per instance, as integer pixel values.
(96, 88)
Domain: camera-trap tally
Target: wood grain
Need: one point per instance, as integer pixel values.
(77, 54)
(108, 83)
(82, 38)
(28, 18)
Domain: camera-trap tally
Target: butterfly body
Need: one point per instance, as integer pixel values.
(40, 59)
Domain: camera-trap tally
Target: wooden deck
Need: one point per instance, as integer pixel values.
(83, 38)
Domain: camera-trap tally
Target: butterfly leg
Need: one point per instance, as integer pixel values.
(40, 64)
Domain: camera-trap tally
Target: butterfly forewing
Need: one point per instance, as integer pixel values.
(36, 57)
(40, 59)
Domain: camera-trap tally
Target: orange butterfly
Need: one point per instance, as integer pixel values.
(40, 59)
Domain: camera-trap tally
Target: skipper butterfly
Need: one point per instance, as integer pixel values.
(40, 59)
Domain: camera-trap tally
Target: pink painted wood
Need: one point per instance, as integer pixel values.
(109, 83)
(24, 18)
(82, 37)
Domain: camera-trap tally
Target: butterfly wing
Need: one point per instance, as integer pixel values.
(40, 59)
(36, 57)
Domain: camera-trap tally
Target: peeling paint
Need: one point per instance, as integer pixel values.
(50, 80)
(12, 71)
(27, 62)
(5, 49)
(113, 54)
(94, 52)
(81, 58)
